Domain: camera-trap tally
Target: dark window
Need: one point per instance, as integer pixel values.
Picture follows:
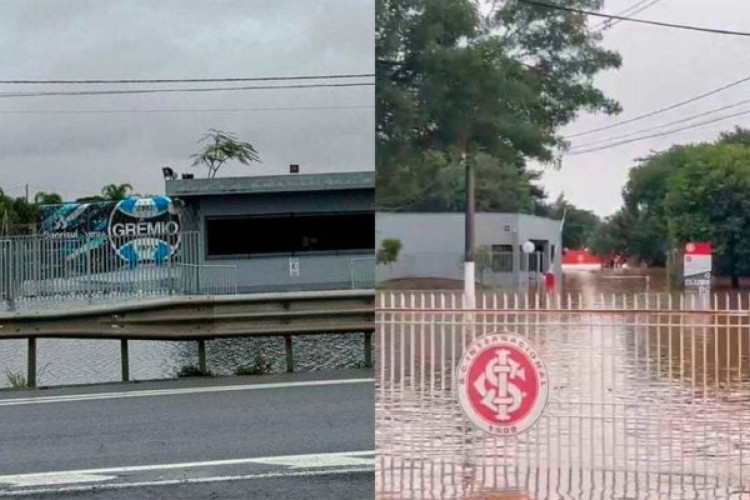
(502, 258)
(290, 233)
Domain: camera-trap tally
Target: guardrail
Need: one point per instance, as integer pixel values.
(201, 318)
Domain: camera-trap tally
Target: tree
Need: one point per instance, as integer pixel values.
(640, 227)
(91, 199)
(709, 200)
(44, 198)
(739, 135)
(611, 235)
(483, 259)
(116, 192)
(453, 85)
(580, 225)
(388, 252)
(221, 147)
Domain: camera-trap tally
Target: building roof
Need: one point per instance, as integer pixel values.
(271, 184)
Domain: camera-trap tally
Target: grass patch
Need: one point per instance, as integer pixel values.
(16, 380)
(260, 365)
(192, 371)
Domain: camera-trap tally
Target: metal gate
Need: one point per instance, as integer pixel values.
(649, 397)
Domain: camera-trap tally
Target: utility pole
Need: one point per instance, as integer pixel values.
(27, 193)
(469, 268)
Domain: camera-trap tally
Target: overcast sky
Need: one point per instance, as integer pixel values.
(660, 67)
(76, 154)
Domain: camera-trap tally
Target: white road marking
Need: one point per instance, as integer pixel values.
(175, 482)
(26, 480)
(173, 392)
(314, 460)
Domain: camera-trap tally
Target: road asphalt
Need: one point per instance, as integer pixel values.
(304, 435)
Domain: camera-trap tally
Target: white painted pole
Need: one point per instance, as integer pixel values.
(469, 285)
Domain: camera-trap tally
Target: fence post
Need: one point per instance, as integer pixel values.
(31, 363)
(368, 349)
(289, 353)
(202, 356)
(125, 360)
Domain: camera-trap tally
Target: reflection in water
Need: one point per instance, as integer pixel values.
(73, 361)
(650, 396)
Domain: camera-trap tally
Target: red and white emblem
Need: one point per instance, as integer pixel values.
(502, 384)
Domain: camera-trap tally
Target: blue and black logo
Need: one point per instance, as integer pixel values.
(144, 229)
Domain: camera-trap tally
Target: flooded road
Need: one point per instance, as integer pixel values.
(649, 394)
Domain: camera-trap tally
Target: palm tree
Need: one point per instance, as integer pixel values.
(116, 192)
(221, 147)
(44, 198)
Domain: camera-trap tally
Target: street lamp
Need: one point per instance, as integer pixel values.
(527, 247)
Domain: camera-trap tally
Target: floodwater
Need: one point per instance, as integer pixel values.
(73, 361)
(644, 403)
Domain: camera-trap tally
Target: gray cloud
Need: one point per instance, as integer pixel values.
(76, 154)
(660, 67)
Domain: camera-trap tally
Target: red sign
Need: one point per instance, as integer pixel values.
(502, 384)
(698, 248)
(577, 257)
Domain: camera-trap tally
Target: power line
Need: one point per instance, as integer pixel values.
(637, 10)
(186, 80)
(662, 125)
(151, 111)
(633, 20)
(662, 134)
(605, 24)
(662, 110)
(200, 89)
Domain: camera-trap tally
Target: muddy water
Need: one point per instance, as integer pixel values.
(650, 396)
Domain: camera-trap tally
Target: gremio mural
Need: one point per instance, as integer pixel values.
(135, 230)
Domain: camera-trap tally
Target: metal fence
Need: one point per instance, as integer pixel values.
(649, 397)
(362, 270)
(53, 270)
(202, 279)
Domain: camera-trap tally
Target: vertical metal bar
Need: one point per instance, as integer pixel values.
(289, 353)
(125, 360)
(31, 363)
(368, 349)
(202, 356)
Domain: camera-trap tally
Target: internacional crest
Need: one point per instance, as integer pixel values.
(502, 384)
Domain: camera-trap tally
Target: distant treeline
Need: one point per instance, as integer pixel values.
(19, 216)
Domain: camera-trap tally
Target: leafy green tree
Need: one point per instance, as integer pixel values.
(453, 85)
(116, 192)
(709, 200)
(91, 199)
(483, 260)
(580, 225)
(739, 135)
(221, 147)
(640, 228)
(44, 198)
(388, 252)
